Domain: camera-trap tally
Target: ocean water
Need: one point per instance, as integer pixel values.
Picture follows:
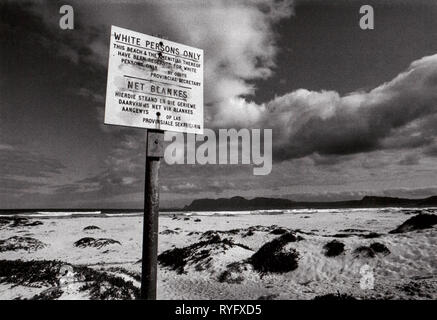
(74, 213)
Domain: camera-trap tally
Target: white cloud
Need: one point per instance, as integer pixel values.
(397, 114)
(237, 37)
(238, 42)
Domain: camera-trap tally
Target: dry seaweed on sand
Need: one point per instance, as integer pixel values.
(20, 243)
(95, 243)
(273, 257)
(419, 222)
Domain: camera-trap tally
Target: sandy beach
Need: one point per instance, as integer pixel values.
(288, 254)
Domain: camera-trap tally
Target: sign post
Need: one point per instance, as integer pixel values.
(154, 153)
(157, 85)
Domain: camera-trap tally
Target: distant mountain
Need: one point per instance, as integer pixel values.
(240, 203)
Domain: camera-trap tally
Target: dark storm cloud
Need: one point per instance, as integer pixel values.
(8, 185)
(23, 172)
(29, 24)
(27, 164)
(45, 69)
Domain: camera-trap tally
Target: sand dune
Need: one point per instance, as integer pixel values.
(294, 255)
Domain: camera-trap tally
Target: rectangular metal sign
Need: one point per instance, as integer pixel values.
(154, 83)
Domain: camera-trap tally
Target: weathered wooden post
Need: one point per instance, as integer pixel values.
(154, 153)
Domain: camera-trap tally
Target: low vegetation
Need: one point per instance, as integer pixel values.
(91, 228)
(95, 243)
(198, 254)
(99, 285)
(333, 248)
(15, 221)
(20, 243)
(273, 257)
(418, 222)
(334, 296)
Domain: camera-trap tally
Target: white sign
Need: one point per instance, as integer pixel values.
(154, 83)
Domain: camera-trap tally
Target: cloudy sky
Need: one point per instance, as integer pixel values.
(353, 112)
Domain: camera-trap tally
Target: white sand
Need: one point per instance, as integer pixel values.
(412, 262)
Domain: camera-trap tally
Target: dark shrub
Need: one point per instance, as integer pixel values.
(226, 276)
(342, 235)
(333, 248)
(104, 286)
(249, 233)
(91, 228)
(4, 221)
(379, 248)
(232, 274)
(95, 243)
(16, 243)
(19, 222)
(100, 285)
(419, 222)
(364, 252)
(178, 258)
(30, 272)
(49, 294)
(272, 257)
(372, 235)
(279, 230)
(168, 231)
